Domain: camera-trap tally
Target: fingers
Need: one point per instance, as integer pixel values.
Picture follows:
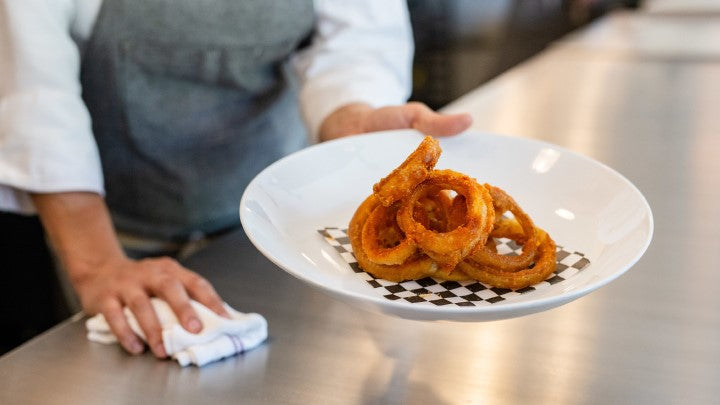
(442, 125)
(429, 122)
(203, 292)
(139, 303)
(417, 116)
(133, 283)
(119, 326)
(177, 298)
(358, 118)
(177, 285)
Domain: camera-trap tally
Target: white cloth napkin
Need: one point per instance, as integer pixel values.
(220, 337)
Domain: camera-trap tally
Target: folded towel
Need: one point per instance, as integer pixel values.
(220, 337)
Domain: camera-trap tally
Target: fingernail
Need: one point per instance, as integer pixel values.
(194, 325)
(135, 347)
(159, 350)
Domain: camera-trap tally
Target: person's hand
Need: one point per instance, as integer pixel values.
(359, 118)
(125, 282)
(78, 225)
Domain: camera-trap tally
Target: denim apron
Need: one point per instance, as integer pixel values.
(189, 100)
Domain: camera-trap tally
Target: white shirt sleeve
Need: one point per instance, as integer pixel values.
(46, 141)
(361, 52)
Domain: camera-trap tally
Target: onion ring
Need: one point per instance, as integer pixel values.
(451, 274)
(530, 240)
(431, 213)
(413, 171)
(449, 248)
(416, 267)
(544, 266)
(420, 222)
(456, 212)
(509, 228)
(382, 240)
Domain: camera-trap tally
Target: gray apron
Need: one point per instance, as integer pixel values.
(189, 101)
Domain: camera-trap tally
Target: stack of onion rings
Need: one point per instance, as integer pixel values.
(422, 222)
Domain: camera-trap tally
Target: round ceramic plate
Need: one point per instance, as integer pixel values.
(295, 212)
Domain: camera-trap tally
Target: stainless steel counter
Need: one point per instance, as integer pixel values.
(619, 92)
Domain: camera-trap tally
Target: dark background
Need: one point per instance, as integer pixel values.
(460, 44)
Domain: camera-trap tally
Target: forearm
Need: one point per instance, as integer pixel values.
(80, 230)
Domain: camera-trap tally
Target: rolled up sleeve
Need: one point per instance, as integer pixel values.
(46, 141)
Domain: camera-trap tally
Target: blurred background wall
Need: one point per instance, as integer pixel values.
(461, 44)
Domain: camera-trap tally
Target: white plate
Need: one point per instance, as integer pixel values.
(584, 205)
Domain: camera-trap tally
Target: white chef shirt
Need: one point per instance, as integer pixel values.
(361, 52)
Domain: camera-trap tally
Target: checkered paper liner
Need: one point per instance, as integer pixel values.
(431, 291)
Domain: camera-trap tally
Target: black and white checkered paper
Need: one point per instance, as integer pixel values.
(461, 293)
